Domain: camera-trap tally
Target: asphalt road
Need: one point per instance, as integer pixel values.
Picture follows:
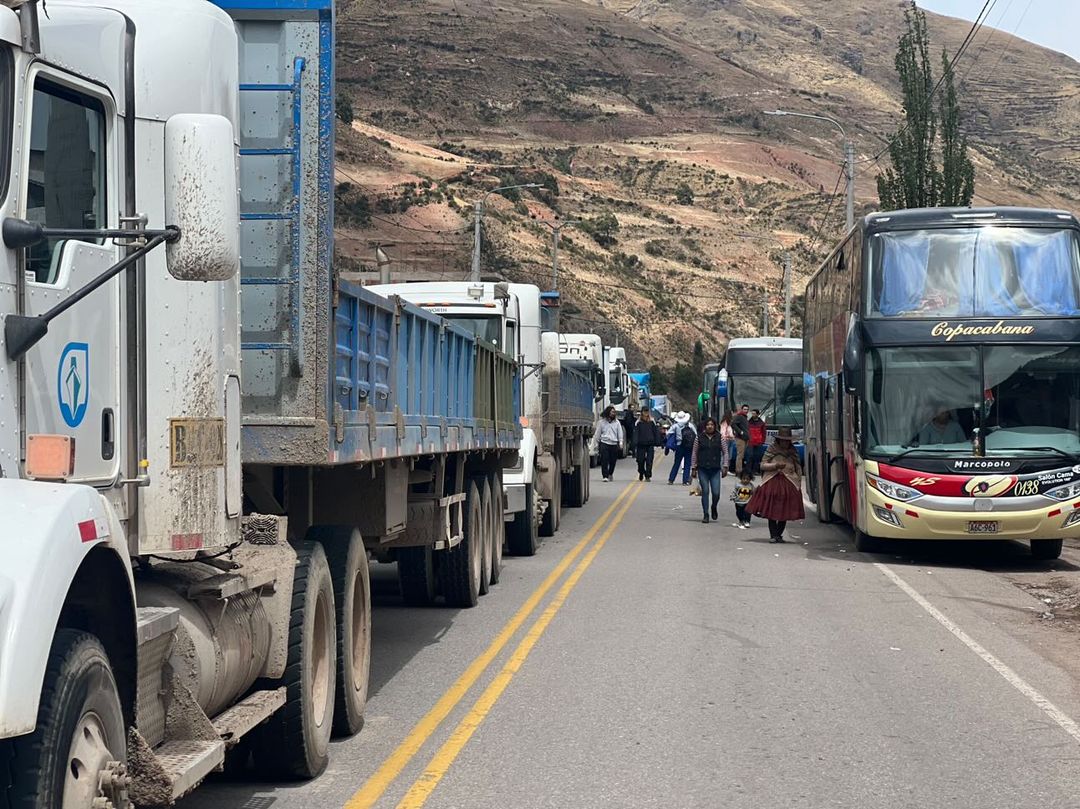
(675, 664)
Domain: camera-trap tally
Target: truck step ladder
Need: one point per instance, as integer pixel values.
(291, 278)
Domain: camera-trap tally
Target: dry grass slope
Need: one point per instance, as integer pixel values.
(650, 111)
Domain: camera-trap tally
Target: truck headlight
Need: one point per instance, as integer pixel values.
(893, 490)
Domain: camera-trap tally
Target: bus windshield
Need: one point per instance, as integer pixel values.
(1022, 399)
(975, 272)
(484, 327)
(778, 397)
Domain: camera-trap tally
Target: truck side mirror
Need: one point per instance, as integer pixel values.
(853, 356)
(201, 198)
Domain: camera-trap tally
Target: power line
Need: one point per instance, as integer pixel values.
(945, 74)
(828, 210)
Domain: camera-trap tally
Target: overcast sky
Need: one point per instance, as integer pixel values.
(1054, 24)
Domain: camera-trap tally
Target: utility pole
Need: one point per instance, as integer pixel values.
(764, 311)
(478, 215)
(556, 228)
(787, 294)
(849, 157)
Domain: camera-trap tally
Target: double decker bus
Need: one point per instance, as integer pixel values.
(942, 354)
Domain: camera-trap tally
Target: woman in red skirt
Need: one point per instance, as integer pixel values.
(779, 497)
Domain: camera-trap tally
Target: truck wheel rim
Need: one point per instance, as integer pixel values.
(87, 757)
(359, 631)
(320, 663)
(475, 539)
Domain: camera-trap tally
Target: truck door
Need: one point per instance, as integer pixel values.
(72, 376)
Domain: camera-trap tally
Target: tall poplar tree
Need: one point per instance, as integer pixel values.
(915, 180)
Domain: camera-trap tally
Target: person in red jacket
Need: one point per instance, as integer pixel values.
(758, 430)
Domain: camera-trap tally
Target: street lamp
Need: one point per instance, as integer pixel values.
(479, 215)
(849, 156)
(555, 228)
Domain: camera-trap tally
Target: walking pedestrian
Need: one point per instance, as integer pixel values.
(779, 497)
(740, 427)
(647, 437)
(741, 495)
(725, 430)
(684, 433)
(608, 437)
(708, 462)
(759, 432)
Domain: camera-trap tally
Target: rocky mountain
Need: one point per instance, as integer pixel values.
(643, 120)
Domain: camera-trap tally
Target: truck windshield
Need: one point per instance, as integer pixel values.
(615, 387)
(486, 328)
(778, 397)
(1023, 399)
(975, 272)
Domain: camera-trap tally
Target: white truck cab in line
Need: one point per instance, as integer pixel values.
(509, 315)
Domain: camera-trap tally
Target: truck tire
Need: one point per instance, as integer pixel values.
(1045, 548)
(575, 490)
(80, 731)
(550, 523)
(522, 537)
(348, 562)
(460, 568)
(295, 742)
(416, 575)
(485, 535)
(498, 527)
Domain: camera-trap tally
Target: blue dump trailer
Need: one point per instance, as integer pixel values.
(368, 423)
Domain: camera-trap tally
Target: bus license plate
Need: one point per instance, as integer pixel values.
(982, 527)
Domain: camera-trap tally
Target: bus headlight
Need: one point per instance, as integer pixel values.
(893, 490)
(1066, 492)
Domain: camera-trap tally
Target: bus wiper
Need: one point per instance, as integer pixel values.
(910, 450)
(1055, 450)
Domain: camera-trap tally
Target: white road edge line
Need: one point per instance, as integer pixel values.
(1063, 720)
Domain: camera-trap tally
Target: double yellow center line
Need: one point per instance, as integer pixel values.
(375, 787)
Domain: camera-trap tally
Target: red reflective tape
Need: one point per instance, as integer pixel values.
(911, 513)
(1054, 513)
(187, 542)
(87, 531)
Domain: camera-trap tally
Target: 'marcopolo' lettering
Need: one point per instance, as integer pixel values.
(948, 331)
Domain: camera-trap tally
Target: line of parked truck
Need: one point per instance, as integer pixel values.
(206, 434)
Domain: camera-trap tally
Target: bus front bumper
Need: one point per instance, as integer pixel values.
(894, 519)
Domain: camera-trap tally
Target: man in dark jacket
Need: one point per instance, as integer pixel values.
(647, 437)
(740, 426)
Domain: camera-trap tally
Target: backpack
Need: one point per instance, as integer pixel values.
(687, 436)
(757, 433)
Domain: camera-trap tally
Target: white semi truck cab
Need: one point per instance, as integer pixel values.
(585, 353)
(554, 446)
(620, 389)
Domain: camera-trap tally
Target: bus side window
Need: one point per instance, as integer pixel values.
(855, 272)
(845, 273)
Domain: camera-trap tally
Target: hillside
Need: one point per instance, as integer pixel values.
(649, 111)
